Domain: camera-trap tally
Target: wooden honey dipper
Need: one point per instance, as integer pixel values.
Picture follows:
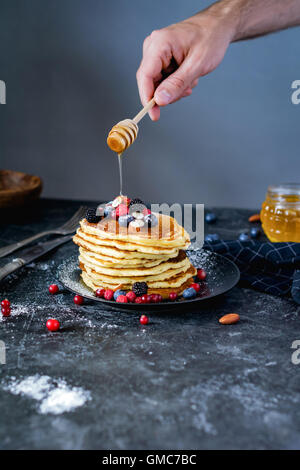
(123, 134)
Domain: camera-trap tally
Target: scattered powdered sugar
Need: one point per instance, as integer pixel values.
(41, 266)
(54, 396)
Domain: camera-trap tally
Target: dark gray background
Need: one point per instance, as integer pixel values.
(69, 67)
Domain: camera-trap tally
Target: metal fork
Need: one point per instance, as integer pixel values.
(67, 228)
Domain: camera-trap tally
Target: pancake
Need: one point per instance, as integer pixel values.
(123, 245)
(113, 257)
(112, 262)
(91, 243)
(163, 270)
(167, 233)
(173, 278)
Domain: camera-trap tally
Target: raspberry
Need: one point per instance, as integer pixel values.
(122, 299)
(138, 300)
(108, 294)
(131, 296)
(122, 209)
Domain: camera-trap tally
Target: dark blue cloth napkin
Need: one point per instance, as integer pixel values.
(273, 268)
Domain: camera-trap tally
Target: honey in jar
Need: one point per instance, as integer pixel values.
(280, 214)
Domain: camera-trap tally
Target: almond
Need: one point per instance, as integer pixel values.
(254, 218)
(229, 319)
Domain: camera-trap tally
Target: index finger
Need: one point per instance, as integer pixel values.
(148, 74)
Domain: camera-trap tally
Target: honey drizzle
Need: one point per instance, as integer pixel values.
(120, 172)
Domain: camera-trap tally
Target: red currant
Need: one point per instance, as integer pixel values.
(5, 303)
(108, 294)
(138, 300)
(122, 299)
(122, 209)
(195, 286)
(173, 295)
(52, 324)
(78, 299)
(131, 296)
(159, 298)
(53, 289)
(154, 298)
(144, 320)
(201, 274)
(146, 299)
(5, 311)
(100, 292)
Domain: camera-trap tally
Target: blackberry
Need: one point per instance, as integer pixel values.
(135, 201)
(91, 216)
(140, 288)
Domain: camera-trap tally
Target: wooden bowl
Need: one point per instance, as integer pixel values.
(18, 188)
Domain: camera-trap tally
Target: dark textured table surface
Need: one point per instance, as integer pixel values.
(184, 381)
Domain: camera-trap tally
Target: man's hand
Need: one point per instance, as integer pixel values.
(175, 57)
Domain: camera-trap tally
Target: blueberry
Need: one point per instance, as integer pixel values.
(107, 210)
(244, 237)
(151, 220)
(254, 232)
(210, 218)
(189, 293)
(124, 220)
(119, 292)
(212, 237)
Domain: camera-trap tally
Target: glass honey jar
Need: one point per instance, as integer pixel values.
(280, 213)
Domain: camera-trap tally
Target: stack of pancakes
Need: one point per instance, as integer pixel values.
(115, 257)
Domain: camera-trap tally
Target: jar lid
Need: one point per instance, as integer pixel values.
(285, 189)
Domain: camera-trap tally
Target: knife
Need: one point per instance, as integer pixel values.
(31, 254)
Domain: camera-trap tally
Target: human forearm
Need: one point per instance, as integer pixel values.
(251, 18)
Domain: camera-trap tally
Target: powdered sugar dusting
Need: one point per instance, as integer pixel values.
(54, 396)
(16, 310)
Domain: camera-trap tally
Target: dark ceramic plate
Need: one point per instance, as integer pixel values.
(222, 275)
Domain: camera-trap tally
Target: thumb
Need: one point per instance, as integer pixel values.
(173, 87)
